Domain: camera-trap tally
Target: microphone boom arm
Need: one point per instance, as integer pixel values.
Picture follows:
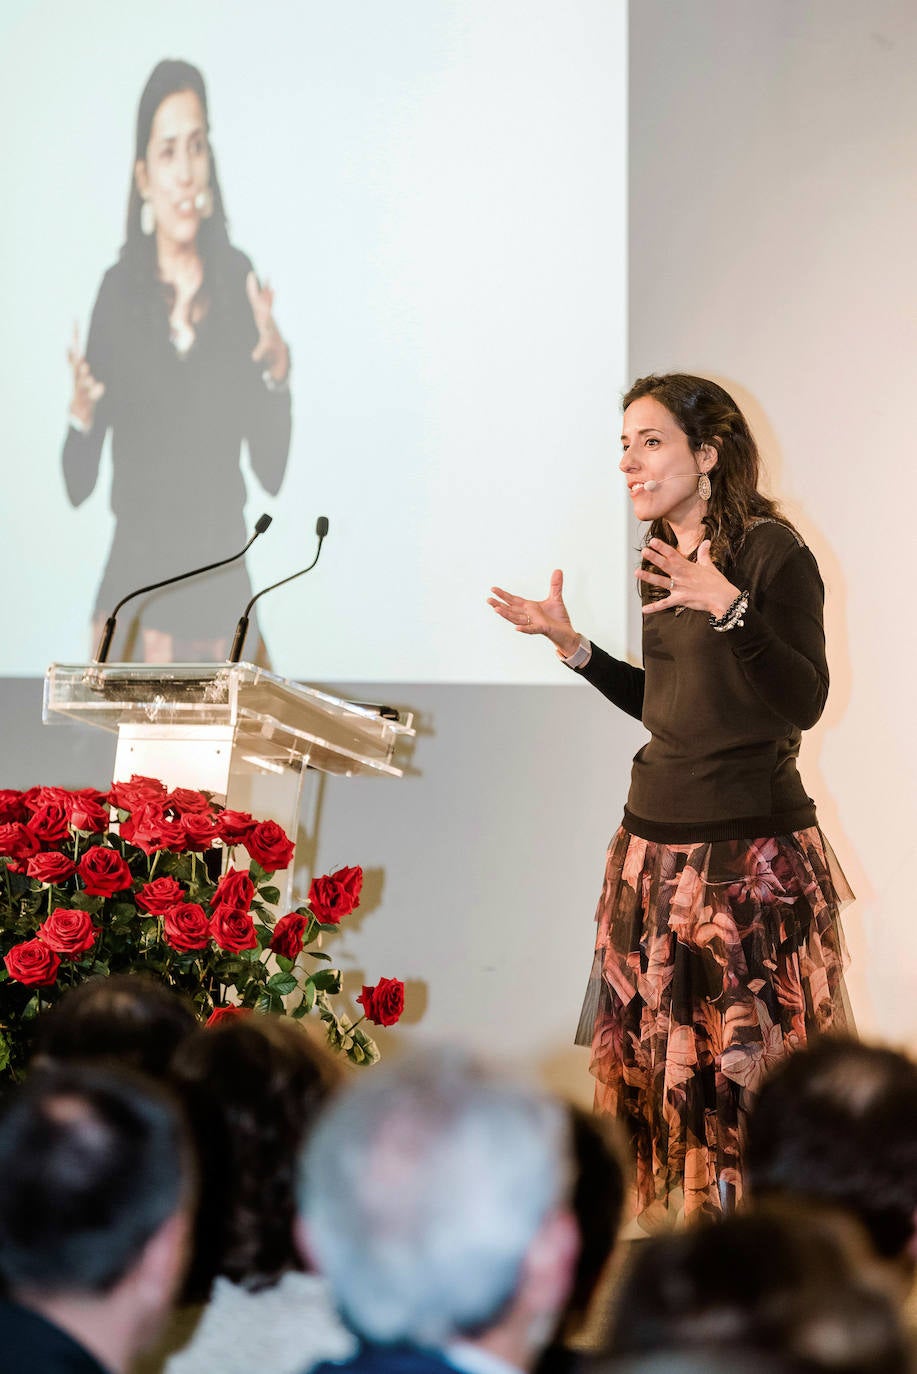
(235, 653)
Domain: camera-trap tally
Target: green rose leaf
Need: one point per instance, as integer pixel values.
(282, 983)
(81, 901)
(327, 979)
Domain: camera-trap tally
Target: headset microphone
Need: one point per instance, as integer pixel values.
(654, 485)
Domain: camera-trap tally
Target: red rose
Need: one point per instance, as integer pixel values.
(157, 896)
(185, 927)
(87, 813)
(48, 796)
(128, 796)
(234, 827)
(32, 963)
(226, 1014)
(12, 805)
(200, 831)
(150, 829)
(49, 823)
(68, 932)
(336, 895)
(384, 1003)
(51, 868)
(90, 794)
(187, 802)
(234, 889)
(269, 846)
(18, 843)
(103, 872)
(233, 930)
(288, 935)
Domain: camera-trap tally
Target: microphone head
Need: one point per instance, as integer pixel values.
(321, 526)
(262, 523)
(651, 486)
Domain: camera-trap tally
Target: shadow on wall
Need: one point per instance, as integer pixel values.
(837, 635)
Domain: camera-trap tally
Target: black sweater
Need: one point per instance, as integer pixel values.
(726, 711)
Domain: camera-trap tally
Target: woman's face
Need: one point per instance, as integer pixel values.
(176, 168)
(656, 449)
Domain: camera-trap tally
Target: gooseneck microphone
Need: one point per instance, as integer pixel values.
(235, 653)
(105, 640)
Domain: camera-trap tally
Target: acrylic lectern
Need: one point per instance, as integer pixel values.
(232, 729)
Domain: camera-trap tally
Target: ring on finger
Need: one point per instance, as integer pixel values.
(672, 588)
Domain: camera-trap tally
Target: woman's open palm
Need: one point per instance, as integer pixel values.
(548, 617)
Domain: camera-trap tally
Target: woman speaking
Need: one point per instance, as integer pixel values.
(719, 948)
(183, 362)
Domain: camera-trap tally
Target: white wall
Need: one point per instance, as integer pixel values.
(773, 219)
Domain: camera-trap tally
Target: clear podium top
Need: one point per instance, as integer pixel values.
(278, 720)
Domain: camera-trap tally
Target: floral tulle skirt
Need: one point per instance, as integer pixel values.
(713, 961)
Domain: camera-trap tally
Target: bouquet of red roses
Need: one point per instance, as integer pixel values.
(138, 878)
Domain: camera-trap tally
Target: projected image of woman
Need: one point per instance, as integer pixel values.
(183, 362)
(719, 948)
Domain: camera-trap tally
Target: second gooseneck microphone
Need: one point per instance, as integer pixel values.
(235, 653)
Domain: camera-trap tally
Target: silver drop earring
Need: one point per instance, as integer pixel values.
(147, 218)
(203, 203)
(703, 487)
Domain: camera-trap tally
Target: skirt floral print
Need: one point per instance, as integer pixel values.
(713, 961)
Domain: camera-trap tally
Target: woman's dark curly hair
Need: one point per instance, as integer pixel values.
(252, 1087)
(709, 415)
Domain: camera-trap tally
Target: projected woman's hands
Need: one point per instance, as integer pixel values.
(548, 617)
(87, 392)
(270, 348)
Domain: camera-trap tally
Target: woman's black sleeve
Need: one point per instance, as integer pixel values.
(620, 682)
(268, 427)
(268, 410)
(781, 645)
(82, 452)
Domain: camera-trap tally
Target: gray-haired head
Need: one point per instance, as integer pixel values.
(422, 1189)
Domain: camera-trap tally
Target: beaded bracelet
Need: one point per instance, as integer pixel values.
(732, 617)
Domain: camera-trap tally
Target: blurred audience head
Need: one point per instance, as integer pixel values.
(703, 1360)
(435, 1198)
(598, 1204)
(124, 1018)
(838, 1123)
(252, 1087)
(798, 1284)
(96, 1190)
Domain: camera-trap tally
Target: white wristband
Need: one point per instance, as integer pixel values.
(580, 656)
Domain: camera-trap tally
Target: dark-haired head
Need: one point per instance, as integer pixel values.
(252, 1087)
(169, 78)
(708, 415)
(796, 1283)
(93, 1161)
(598, 1204)
(127, 1018)
(838, 1122)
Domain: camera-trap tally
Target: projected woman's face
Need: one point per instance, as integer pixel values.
(176, 168)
